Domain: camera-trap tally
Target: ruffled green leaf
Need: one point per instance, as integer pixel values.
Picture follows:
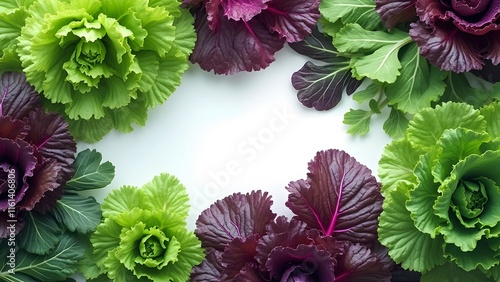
(421, 199)
(91, 130)
(134, 113)
(104, 240)
(427, 126)
(166, 193)
(451, 270)
(455, 233)
(397, 163)
(407, 245)
(492, 118)
(90, 172)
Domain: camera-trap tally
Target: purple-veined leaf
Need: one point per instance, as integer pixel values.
(361, 264)
(394, 12)
(321, 87)
(17, 97)
(340, 197)
(210, 269)
(291, 19)
(318, 46)
(233, 46)
(236, 216)
(50, 135)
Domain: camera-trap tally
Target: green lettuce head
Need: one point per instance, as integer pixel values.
(143, 235)
(104, 63)
(441, 184)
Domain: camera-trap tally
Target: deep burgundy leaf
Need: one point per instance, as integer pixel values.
(50, 135)
(44, 180)
(305, 261)
(291, 19)
(431, 11)
(318, 46)
(12, 129)
(448, 48)
(17, 97)
(210, 270)
(237, 254)
(395, 12)
(236, 216)
(233, 46)
(18, 155)
(321, 87)
(243, 10)
(493, 50)
(281, 233)
(340, 197)
(360, 264)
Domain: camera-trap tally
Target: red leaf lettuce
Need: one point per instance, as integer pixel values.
(454, 35)
(234, 36)
(332, 237)
(36, 152)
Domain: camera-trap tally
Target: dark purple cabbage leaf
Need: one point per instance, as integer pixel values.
(245, 241)
(36, 147)
(321, 86)
(234, 36)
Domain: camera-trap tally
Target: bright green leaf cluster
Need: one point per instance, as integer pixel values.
(50, 245)
(441, 185)
(143, 235)
(403, 80)
(100, 63)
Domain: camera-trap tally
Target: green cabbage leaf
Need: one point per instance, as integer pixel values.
(104, 63)
(441, 186)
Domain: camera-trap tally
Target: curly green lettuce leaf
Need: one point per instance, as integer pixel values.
(143, 235)
(103, 65)
(442, 179)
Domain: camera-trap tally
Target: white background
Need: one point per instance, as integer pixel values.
(224, 134)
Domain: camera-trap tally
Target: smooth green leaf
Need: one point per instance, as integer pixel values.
(56, 265)
(78, 213)
(90, 172)
(358, 121)
(451, 271)
(397, 163)
(40, 233)
(418, 85)
(361, 12)
(428, 125)
(373, 90)
(458, 89)
(353, 38)
(407, 245)
(481, 165)
(396, 124)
